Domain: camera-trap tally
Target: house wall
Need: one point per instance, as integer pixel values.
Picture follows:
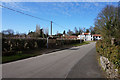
(97, 37)
(85, 37)
(88, 37)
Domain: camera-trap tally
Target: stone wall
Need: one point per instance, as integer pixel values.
(108, 67)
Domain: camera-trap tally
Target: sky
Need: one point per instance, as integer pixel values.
(66, 15)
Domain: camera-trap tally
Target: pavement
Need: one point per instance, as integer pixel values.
(75, 62)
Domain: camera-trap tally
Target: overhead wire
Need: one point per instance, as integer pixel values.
(24, 13)
(32, 16)
(60, 25)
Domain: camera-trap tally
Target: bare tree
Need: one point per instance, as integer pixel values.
(70, 32)
(8, 32)
(91, 29)
(46, 31)
(80, 30)
(106, 23)
(84, 29)
(76, 31)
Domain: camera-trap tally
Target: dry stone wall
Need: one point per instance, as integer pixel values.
(108, 67)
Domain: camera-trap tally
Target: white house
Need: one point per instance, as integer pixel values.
(89, 37)
(96, 37)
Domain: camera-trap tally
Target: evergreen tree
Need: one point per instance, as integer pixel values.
(87, 31)
(64, 32)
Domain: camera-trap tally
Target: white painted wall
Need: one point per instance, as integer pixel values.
(97, 37)
(85, 38)
(88, 37)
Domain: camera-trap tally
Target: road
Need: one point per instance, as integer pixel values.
(76, 62)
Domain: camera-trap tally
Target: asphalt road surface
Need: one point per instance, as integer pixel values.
(76, 62)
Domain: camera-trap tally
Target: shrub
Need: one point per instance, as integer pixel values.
(12, 46)
(112, 52)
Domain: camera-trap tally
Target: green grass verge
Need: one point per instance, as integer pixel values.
(83, 43)
(89, 41)
(23, 55)
(16, 57)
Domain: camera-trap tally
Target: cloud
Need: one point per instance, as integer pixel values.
(96, 4)
(71, 8)
(65, 8)
(18, 6)
(59, 8)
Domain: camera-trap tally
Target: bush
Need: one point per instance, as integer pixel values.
(12, 46)
(112, 52)
(67, 41)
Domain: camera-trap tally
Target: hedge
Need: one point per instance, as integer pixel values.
(112, 52)
(13, 46)
(67, 41)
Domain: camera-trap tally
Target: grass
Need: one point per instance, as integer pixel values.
(83, 43)
(89, 41)
(22, 55)
(15, 57)
(32, 53)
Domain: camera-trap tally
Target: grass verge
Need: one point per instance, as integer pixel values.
(83, 43)
(15, 57)
(32, 53)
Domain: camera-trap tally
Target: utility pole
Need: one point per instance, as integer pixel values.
(51, 28)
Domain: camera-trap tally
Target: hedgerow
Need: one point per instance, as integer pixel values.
(13, 46)
(112, 52)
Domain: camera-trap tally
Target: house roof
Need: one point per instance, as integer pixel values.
(69, 36)
(72, 36)
(96, 35)
(86, 33)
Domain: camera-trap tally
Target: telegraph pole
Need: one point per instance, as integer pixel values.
(48, 37)
(51, 28)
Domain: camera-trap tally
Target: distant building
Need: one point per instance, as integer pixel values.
(89, 37)
(69, 37)
(96, 37)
